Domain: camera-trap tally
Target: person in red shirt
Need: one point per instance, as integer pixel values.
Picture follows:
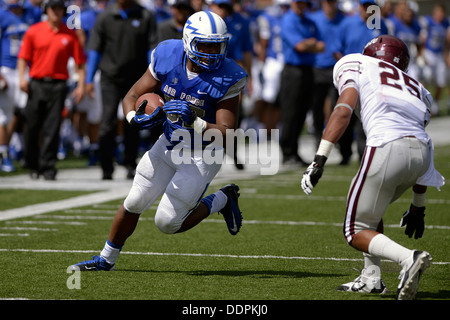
(46, 49)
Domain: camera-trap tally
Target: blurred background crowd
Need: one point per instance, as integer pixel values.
(288, 48)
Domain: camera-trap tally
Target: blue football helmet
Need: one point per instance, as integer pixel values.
(205, 28)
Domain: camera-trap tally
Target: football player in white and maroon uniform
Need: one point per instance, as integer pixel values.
(394, 110)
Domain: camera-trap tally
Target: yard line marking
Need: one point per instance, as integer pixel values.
(254, 195)
(279, 222)
(28, 229)
(207, 255)
(14, 234)
(72, 223)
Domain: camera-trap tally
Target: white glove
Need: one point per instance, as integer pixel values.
(313, 173)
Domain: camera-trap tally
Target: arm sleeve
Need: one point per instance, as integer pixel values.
(93, 60)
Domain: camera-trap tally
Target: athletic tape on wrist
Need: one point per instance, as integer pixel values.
(325, 148)
(130, 115)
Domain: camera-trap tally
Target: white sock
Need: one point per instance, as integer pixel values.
(383, 247)
(110, 252)
(370, 260)
(215, 201)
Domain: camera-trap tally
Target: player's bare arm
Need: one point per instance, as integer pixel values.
(341, 115)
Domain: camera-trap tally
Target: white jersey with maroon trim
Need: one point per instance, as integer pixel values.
(392, 104)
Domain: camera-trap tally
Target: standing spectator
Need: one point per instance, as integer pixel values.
(32, 11)
(436, 39)
(119, 45)
(328, 20)
(301, 42)
(173, 28)
(406, 27)
(240, 49)
(12, 29)
(269, 64)
(353, 34)
(47, 47)
(89, 109)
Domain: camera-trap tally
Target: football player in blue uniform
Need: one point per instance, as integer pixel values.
(201, 88)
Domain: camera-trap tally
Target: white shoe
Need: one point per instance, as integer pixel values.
(410, 275)
(369, 281)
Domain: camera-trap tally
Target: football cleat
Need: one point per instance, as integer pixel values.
(365, 283)
(96, 264)
(7, 165)
(411, 273)
(231, 212)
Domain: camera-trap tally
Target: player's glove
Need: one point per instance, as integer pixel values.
(313, 173)
(414, 221)
(141, 120)
(178, 109)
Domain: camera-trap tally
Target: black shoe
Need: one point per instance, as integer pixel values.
(34, 174)
(107, 175)
(49, 175)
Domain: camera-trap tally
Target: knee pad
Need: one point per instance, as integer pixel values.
(167, 222)
(135, 202)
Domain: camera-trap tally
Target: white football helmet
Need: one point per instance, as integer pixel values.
(208, 28)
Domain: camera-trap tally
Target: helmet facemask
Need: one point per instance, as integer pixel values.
(205, 40)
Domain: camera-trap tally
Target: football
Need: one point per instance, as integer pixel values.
(153, 101)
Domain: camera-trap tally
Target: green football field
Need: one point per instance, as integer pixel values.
(290, 247)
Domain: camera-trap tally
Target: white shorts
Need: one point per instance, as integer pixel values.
(92, 106)
(385, 174)
(182, 186)
(12, 96)
(435, 71)
(267, 79)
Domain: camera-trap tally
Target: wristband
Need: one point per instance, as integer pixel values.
(130, 115)
(325, 148)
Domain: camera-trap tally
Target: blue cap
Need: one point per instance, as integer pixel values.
(367, 2)
(222, 2)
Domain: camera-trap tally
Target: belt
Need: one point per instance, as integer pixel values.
(48, 80)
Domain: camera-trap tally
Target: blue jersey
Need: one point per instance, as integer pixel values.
(295, 29)
(12, 31)
(354, 34)
(409, 34)
(270, 28)
(240, 40)
(329, 32)
(88, 18)
(31, 13)
(436, 34)
(204, 92)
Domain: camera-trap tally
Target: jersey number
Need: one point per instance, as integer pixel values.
(399, 80)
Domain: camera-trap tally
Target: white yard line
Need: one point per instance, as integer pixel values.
(204, 255)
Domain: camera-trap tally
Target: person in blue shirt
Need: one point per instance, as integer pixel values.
(12, 30)
(328, 19)
(267, 67)
(301, 42)
(436, 41)
(406, 27)
(201, 90)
